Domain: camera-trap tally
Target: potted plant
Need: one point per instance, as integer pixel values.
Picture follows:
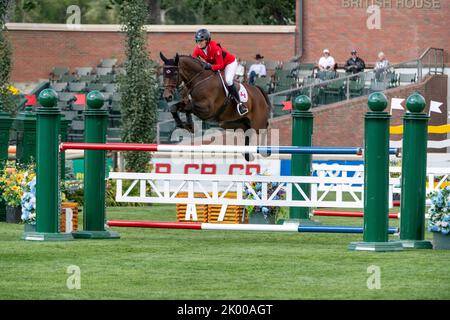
(439, 218)
(13, 182)
(264, 214)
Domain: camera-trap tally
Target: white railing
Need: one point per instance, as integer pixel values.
(335, 186)
(436, 177)
(224, 190)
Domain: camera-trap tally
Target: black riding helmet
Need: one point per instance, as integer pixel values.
(202, 34)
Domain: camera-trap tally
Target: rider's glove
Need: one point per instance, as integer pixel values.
(207, 66)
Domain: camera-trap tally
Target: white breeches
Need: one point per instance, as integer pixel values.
(230, 72)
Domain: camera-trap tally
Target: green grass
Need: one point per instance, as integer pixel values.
(189, 264)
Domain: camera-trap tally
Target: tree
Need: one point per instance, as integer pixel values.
(154, 8)
(50, 11)
(250, 12)
(139, 88)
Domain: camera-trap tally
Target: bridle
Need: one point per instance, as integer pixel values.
(169, 72)
(172, 71)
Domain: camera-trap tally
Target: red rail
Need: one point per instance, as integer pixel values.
(359, 214)
(155, 224)
(108, 146)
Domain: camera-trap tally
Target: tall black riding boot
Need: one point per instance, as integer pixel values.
(241, 108)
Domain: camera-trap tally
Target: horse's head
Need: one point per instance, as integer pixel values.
(170, 76)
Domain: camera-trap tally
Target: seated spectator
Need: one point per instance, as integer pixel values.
(381, 66)
(258, 69)
(326, 62)
(355, 64)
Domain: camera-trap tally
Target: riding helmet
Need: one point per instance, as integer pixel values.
(202, 34)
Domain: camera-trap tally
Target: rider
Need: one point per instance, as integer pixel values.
(218, 59)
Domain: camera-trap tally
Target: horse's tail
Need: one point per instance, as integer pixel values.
(265, 97)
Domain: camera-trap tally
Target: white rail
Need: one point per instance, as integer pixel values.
(257, 190)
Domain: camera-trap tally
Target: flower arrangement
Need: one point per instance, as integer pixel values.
(28, 202)
(270, 214)
(13, 182)
(439, 211)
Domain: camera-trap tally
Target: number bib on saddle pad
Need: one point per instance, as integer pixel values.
(243, 95)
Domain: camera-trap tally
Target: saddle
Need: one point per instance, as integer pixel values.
(242, 91)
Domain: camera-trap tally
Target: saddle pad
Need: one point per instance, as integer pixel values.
(243, 95)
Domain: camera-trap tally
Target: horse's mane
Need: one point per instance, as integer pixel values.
(192, 58)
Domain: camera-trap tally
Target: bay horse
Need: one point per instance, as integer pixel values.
(203, 94)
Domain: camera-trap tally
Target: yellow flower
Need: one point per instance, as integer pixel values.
(13, 90)
(19, 178)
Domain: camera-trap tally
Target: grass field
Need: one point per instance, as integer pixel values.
(189, 264)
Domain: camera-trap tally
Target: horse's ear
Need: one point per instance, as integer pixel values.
(163, 57)
(177, 57)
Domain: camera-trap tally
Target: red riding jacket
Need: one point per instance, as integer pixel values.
(217, 56)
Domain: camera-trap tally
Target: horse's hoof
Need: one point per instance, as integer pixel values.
(249, 157)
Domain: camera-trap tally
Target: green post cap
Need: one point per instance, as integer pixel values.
(302, 103)
(377, 101)
(95, 99)
(48, 98)
(415, 103)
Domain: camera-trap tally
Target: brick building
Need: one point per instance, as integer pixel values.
(403, 29)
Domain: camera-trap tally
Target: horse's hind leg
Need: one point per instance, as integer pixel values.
(243, 124)
(248, 156)
(190, 123)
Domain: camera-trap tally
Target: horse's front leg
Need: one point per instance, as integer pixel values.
(174, 110)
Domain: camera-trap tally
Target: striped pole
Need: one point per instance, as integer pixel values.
(212, 148)
(348, 214)
(238, 227)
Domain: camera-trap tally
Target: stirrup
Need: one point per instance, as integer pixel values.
(242, 109)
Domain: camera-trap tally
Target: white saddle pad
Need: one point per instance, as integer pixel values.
(243, 95)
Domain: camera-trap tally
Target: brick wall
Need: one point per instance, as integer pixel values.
(37, 52)
(342, 124)
(404, 33)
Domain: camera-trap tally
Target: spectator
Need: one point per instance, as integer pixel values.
(258, 69)
(355, 64)
(381, 66)
(326, 62)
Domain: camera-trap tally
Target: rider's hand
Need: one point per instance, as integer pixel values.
(207, 66)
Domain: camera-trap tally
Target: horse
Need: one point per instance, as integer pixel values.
(203, 94)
